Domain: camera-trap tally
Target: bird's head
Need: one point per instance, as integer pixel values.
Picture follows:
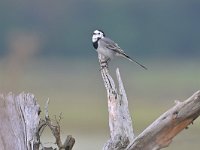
(97, 34)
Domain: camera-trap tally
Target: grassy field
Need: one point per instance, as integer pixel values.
(76, 90)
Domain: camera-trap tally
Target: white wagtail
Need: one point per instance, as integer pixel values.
(108, 48)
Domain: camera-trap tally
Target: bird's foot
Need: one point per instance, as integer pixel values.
(103, 65)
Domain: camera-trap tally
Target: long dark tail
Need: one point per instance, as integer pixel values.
(129, 58)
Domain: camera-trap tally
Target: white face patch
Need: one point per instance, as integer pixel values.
(96, 35)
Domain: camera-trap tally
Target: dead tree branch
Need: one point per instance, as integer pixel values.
(55, 129)
(121, 131)
(21, 126)
(159, 134)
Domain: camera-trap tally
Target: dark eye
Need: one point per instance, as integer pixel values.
(98, 33)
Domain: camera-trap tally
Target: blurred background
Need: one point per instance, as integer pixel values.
(46, 49)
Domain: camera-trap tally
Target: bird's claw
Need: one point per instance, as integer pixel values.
(103, 65)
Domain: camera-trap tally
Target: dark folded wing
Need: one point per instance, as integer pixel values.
(110, 44)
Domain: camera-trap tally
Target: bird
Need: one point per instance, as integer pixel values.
(108, 48)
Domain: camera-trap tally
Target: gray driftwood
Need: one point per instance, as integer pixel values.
(120, 123)
(159, 134)
(19, 119)
(21, 126)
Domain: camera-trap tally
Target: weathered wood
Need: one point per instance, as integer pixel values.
(55, 130)
(69, 142)
(21, 126)
(161, 132)
(19, 119)
(121, 131)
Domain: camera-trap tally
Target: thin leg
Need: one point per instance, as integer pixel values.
(104, 64)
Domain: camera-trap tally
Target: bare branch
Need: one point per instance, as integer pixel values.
(121, 131)
(21, 127)
(161, 132)
(69, 142)
(55, 129)
(126, 116)
(46, 109)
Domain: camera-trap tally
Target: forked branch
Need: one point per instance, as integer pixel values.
(159, 134)
(121, 130)
(21, 126)
(55, 129)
